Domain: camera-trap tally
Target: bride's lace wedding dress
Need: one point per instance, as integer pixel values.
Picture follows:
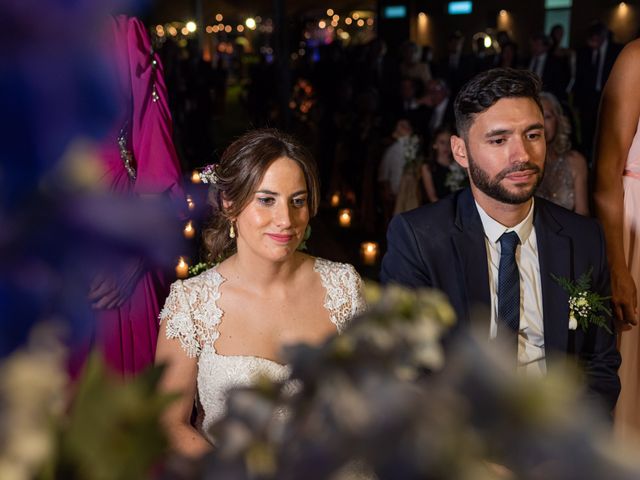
(192, 315)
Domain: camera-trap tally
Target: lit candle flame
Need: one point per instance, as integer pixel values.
(182, 269)
(344, 217)
(189, 231)
(369, 252)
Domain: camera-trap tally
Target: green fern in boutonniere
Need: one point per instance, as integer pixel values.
(585, 307)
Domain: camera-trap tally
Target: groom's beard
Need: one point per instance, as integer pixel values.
(494, 189)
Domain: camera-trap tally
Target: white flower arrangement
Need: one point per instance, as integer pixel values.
(411, 148)
(456, 178)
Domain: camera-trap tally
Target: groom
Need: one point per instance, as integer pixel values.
(496, 245)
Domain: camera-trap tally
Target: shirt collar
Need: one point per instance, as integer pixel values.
(493, 229)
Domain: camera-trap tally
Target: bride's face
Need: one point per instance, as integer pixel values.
(272, 224)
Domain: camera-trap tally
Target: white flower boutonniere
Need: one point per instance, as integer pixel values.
(585, 307)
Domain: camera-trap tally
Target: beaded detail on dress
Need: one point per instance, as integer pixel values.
(125, 154)
(192, 315)
(558, 184)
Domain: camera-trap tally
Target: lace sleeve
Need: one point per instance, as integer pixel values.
(344, 297)
(179, 324)
(358, 303)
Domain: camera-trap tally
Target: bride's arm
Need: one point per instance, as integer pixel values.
(179, 377)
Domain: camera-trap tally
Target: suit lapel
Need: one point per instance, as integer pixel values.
(554, 255)
(470, 246)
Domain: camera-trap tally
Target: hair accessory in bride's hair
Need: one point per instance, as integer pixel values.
(208, 174)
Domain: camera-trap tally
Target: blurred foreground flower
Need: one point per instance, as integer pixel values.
(32, 386)
(112, 430)
(379, 401)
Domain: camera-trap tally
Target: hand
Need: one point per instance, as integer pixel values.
(111, 290)
(624, 298)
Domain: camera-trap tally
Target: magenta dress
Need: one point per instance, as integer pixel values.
(140, 159)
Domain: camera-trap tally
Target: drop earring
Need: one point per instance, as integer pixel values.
(307, 234)
(232, 231)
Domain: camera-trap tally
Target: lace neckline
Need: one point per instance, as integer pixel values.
(319, 267)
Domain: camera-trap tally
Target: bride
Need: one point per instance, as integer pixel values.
(229, 324)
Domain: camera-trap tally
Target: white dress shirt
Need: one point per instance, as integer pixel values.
(531, 355)
(392, 164)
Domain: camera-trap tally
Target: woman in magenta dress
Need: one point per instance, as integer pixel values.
(139, 160)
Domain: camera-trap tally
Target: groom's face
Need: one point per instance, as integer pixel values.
(504, 150)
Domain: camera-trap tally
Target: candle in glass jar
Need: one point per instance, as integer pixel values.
(344, 217)
(335, 199)
(182, 269)
(195, 177)
(189, 231)
(369, 253)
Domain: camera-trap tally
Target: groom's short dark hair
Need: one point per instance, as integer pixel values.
(486, 88)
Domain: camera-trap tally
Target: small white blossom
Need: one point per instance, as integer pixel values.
(573, 323)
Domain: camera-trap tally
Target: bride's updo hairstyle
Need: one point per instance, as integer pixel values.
(238, 176)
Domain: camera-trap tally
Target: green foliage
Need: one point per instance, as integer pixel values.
(113, 429)
(198, 268)
(585, 306)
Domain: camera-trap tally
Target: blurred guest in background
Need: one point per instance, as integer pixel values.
(412, 65)
(617, 202)
(440, 174)
(553, 70)
(508, 53)
(482, 56)
(411, 104)
(393, 164)
(455, 67)
(565, 177)
(439, 100)
(593, 65)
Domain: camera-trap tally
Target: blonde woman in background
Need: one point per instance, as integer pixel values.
(565, 172)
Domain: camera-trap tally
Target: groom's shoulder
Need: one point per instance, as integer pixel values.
(571, 222)
(442, 212)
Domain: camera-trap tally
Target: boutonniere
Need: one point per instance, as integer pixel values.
(585, 307)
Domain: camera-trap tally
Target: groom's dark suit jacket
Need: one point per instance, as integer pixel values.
(442, 245)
